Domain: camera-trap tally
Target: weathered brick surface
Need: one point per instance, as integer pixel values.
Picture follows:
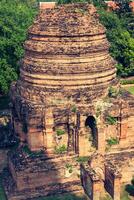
(46, 5)
(66, 63)
(65, 77)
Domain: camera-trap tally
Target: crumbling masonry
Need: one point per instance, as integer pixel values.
(68, 103)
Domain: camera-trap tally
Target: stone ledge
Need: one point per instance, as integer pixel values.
(29, 194)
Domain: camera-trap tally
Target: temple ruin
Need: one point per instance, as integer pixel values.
(68, 104)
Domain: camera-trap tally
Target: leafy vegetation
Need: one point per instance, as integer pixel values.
(130, 188)
(120, 32)
(82, 159)
(74, 109)
(125, 82)
(15, 18)
(110, 120)
(112, 141)
(130, 89)
(61, 149)
(113, 92)
(69, 167)
(120, 36)
(98, 111)
(60, 132)
(32, 153)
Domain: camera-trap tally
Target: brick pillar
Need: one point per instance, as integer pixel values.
(49, 124)
(101, 144)
(123, 129)
(34, 132)
(92, 183)
(113, 181)
(35, 139)
(124, 120)
(82, 150)
(117, 188)
(98, 189)
(18, 129)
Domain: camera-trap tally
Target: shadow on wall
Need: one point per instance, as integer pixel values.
(33, 175)
(7, 137)
(91, 123)
(68, 196)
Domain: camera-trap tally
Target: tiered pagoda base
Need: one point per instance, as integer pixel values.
(34, 178)
(36, 175)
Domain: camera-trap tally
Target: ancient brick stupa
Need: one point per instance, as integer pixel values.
(66, 68)
(63, 102)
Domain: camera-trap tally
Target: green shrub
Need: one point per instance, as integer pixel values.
(82, 159)
(26, 150)
(98, 111)
(130, 89)
(32, 153)
(112, 141)
(112, 92)
(69, 167)
(125, 82)
(60, 132)
(111, 120)
(130, 189)
(61, 149)
(74, 109)
(15, 18)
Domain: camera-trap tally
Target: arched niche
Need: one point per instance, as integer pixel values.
(91, 123)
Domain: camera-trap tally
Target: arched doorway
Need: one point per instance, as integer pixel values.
(91, 123)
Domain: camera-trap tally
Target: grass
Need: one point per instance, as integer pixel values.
(82, 159)
(60, 132)
(2, 193)
(124, 194)
(64, 197)
(107, 197)
(125, 82)
(4, 101)
(130, 89)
